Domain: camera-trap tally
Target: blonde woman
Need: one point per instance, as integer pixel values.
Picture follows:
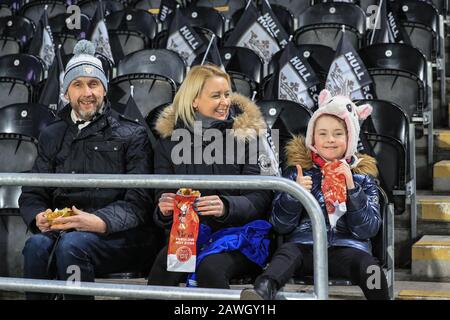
(203, 107)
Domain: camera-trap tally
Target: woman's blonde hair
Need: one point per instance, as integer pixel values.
(191, 88)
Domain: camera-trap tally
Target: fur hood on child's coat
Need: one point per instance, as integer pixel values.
(297, 153)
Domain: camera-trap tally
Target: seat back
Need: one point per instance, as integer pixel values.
(88, 7)
(64, 35)
(398, 72)
(162, 62)
(19, 73)
(17, 28)
(33, 10)
(285, 118)
(226, 7)
(203, 17)
(322, 23)
(150, 90)
(421, 22)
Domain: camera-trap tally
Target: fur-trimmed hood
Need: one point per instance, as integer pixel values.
(246, 123)
(297, 153)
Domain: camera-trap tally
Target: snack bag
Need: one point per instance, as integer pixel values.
(182, 252)
(334, 190)
(52, 215)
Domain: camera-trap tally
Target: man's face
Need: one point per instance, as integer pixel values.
(86, 96)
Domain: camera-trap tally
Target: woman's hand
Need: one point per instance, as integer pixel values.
(166, 203)
(304, 181)
(210, 206)
(344, 169)
(42, 222)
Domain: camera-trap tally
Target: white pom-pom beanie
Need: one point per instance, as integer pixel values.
(84, 64)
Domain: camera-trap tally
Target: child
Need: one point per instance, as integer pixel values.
(349, 203)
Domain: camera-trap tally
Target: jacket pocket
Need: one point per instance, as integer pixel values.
(105, 157)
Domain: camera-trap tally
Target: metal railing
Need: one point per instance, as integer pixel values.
(170, 181)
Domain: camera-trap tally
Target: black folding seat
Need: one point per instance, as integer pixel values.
(285, 118)
(15, 34)
(20, 125)
(162, 62)
(421, 22)
(226, 7)
(295, 7)
(33, 10)
(19, 74)
(244, 67)
(322, 24)
(5, 8)
(203, 17)
(399, 75)
(386, 136)
(64, 34)
(88, 7)
(130, 30)
(149, 89)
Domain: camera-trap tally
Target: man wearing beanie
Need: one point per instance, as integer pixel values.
(111, 230)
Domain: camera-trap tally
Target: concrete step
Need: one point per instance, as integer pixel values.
(431, 258)
(423, 295)
(441, 176)
(434, 208)
(442, 139)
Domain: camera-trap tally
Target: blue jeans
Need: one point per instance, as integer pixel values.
(91, 253)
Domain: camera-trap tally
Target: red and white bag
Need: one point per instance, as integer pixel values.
(182, 252)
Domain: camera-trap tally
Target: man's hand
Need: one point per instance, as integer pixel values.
(41, 221)
(81, 221)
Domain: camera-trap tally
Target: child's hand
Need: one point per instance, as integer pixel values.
(304, 181)
(345, 170)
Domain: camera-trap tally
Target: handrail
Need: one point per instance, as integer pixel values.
(311, 205)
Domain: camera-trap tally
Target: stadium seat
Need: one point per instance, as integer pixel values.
(287, 117)
(203, 17)
(15, 34)
(65, 36)
(129, 31)
(386, 136)
(226, 7)
(150, 90)
(399, 73)
(33, 10)
(162, 62)
(295, 7)
(244, 67)
(322, 23)
(19, 74)
(421, 22)
(20, 125)
(88, 7)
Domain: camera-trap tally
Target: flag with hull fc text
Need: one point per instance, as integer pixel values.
(386, 28)
(348, 75)
(51, 93)
(260, 32)
(294, 79)
(42, 43)
(166, 8)
(183, 39)
(99, 34)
